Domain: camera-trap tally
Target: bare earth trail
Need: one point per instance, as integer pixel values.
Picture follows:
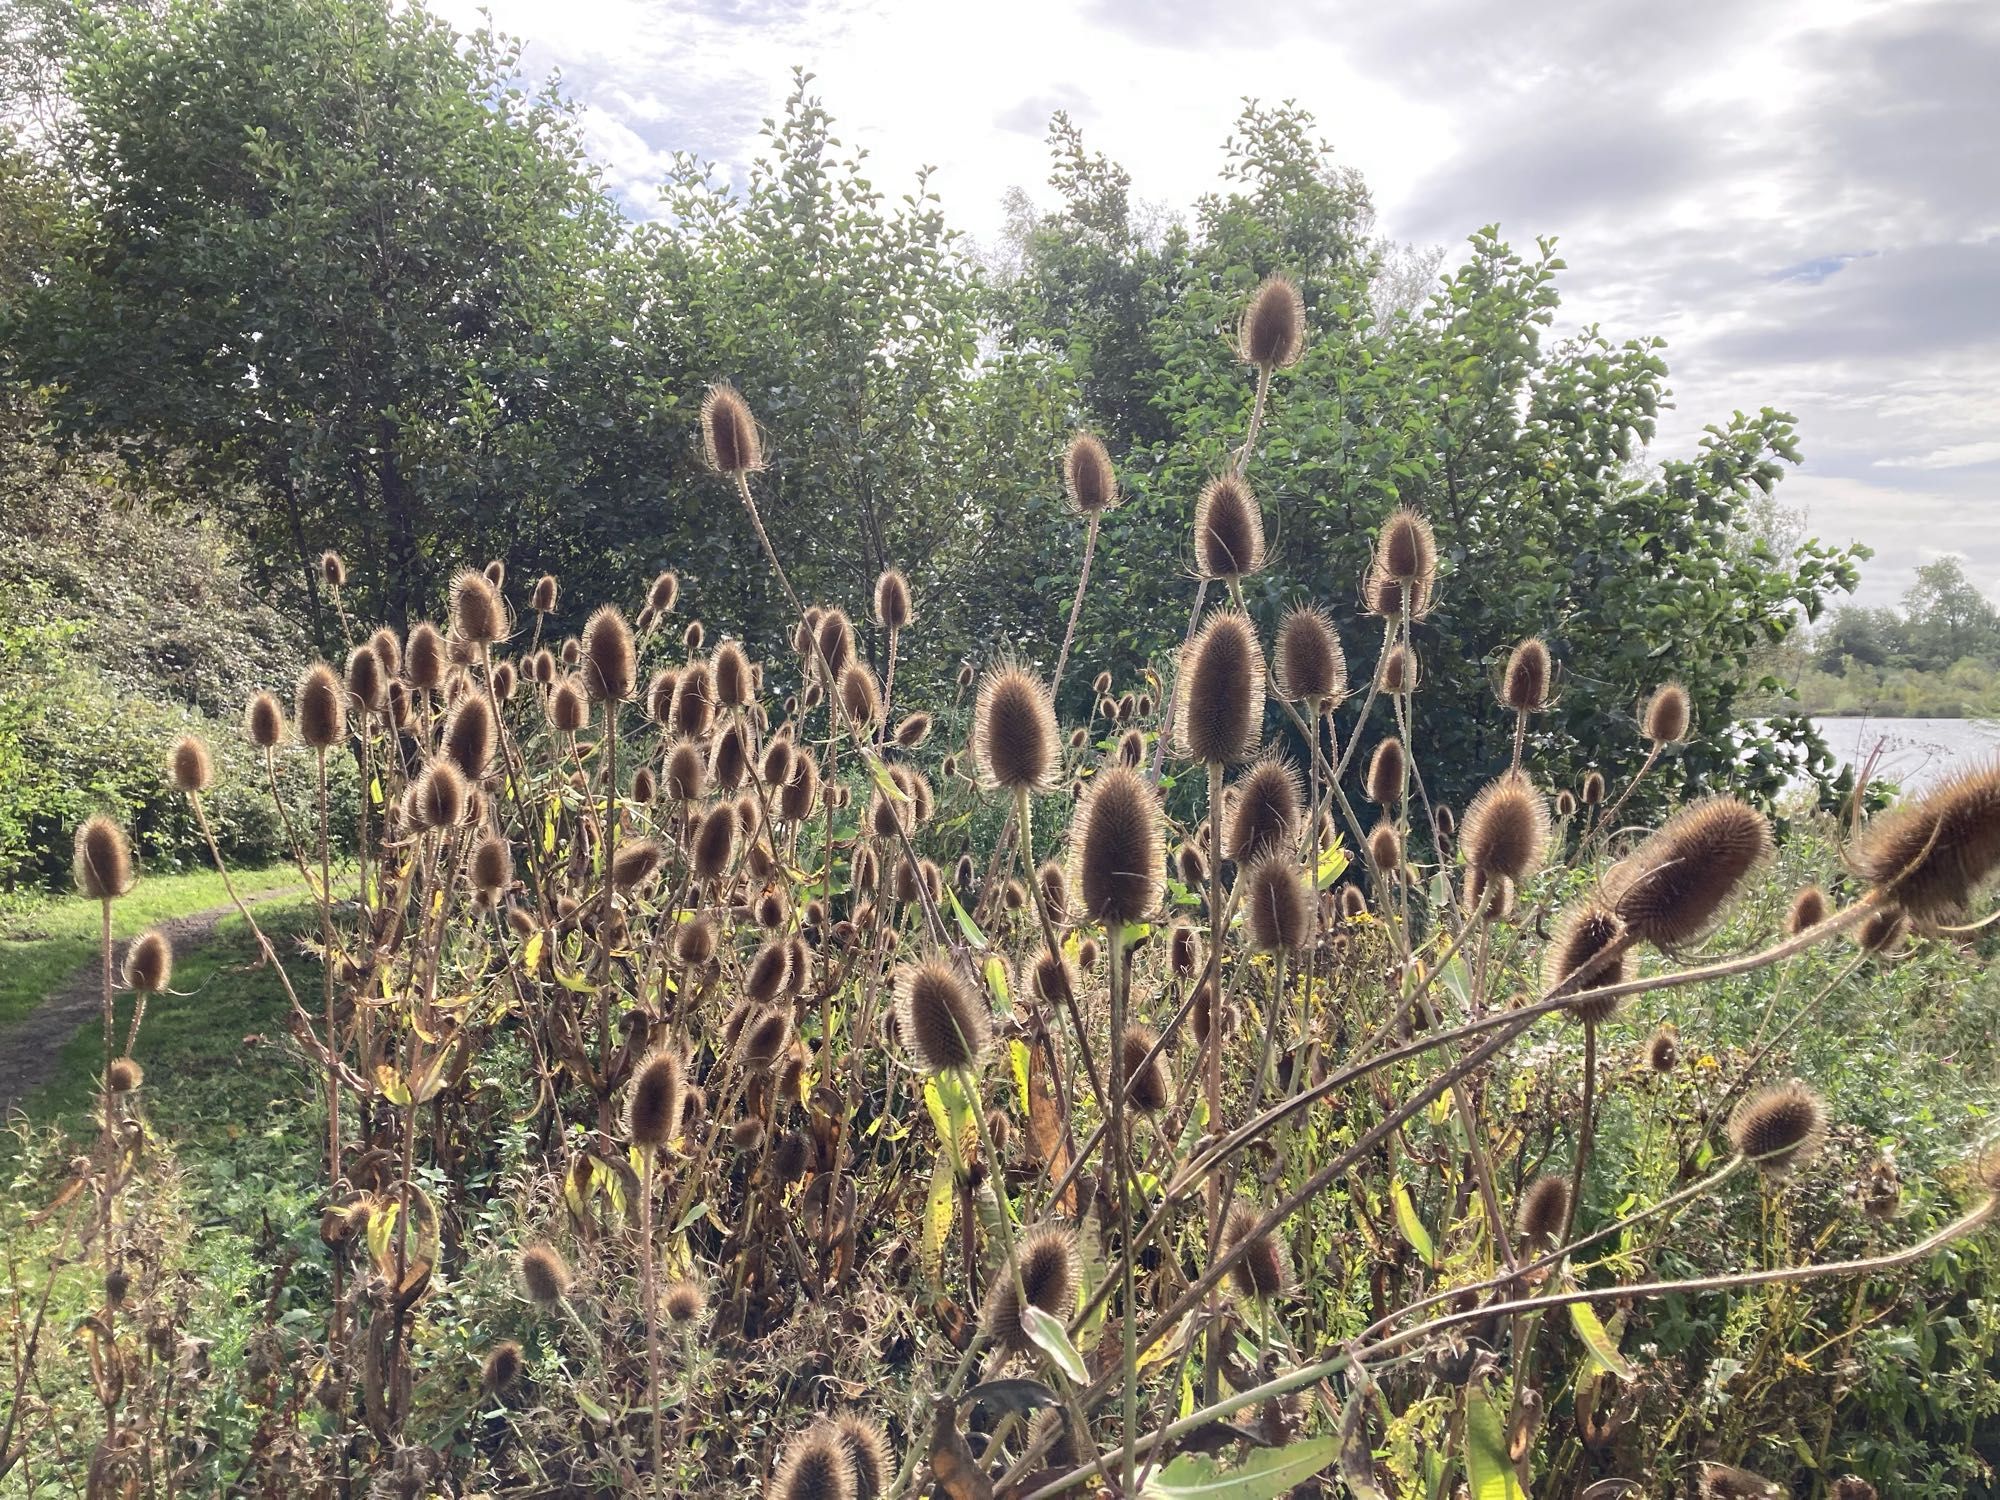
(31, 1049)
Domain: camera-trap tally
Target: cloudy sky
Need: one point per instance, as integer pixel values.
(1802, 196)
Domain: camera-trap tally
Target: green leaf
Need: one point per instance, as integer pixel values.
(939, 1209)
(1603, 1348)
(1357, 1457)
(1263, 1476)
(1412, 1226)
(1045, 1330)
(965, 923)
(1487, 1468)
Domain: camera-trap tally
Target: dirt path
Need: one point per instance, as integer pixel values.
(31, 1048)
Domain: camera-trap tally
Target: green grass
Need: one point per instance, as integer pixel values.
(42, 945)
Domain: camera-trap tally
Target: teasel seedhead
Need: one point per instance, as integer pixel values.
(729, 433)
(1406, 550)
(610, 663)
(1663, 1050)
(492, 868)
(892, 600)
(835, 642)
(731, 675)
(1228, 530)
(188, 764)
(1524, 686)
(501, 1371)
(1352, 903)
(264, 722)
(366, 686)
(569, 706)
(149, 963)
(102, 860)
(468, 737)
(943, 1020)
(1667, 716)
(1543, 1215)
(1273, 332)
(1147, 1088)
(333, 569)
(868, 1447)
(424, 657)
(1399, 672)
(815, 1465)
(1589, 951)
(1673, 888)
(1385, 848)
(714, 842)
(1779, 1128)
(1263, 814)
(860, 696)
(1088, 478)
(1882, 931)
(1053, 980)
(729, 759)
(1808, 910)
(436, 797)
(321, 708)
(1565, 804)
(1277, 911)
(1932, 855)
(124, 1076)
(1506, 829)
(653, 1101)
(1384, 596)
(1183, 950)
(545, 1275)
(1387, 771)
(477, 614)
(1310, 666)
(1591, 793)
(1259, 1267)
(1115, 849)
(694, 701)
(795, 802)
(1014, 737)
(1051, 1271)
(636, 863)
(683, 1301)
(1221, 691)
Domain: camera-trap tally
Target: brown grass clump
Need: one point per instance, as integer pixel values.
(1015, 742)
(1779, 1128)
(1673, 888)
(1933, 854)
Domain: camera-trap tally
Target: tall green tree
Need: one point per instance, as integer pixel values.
(337, 266)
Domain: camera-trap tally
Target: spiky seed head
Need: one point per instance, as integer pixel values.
(1931, 855)
(747, 1134)
(1663, 1050)
(868, 1447)
(1882, 930)
(1192, 865)
(1147, 1087)
(835, 641)
(892, 600)
(492, 868)
(764, 978)
(729, 438)
(780, 757)
(1543, 1214)
(1383, 596)
(1088, 478)
(1850, 1487)
(1221, 691)
(1443, 823)
(366, 685)
(1014, 738)
(815, 1465)
(504, 680)
(1273, 333)
(609, 662)
(1387, 771)
(1591, 793)
(1053, 979)
(943, 1020)
(664, 593)
(694, 942)
(731, 674)
(1779, 1127)
(543, 600)
(1668, 713)
(1385, 848)
(1259, 1266)
(424, 657)
(1115, 848)
(545, 1275)
(102, 862)
(468, 737)
(1406, 551)
(477, 614)
(1309, 665)
(1488, 896)
(653, 1101)
(1131, 749)
(1808, 910)
(333, 569)
(1565, 804)
(1277, 911)
(1673, 888)
(1506, 830)
(694, 701)
(124, 1075)
(1352, 903)
(1228, 530)
(569, 706)
(1051, 1270)
(321, 708)
(693, 636)
(264, 722)
(645, 786)
(188, 764)
(1399, 671)
(860, 697)
(502, 1368)
(436, 798)
(729, 759)
(1183, 950)
(636, 863)
(685, 772)
(1014, 896)
(1524, 686)
(149, 963)
(682, 1300)
(1263, 815)
(796, 802)
(1588, 951)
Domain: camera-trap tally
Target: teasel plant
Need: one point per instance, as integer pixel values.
(1221, 1029)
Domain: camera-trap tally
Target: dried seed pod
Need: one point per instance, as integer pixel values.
(1931, 855)
(868, 1447)
(1183, 950)
(683, 1301)
(1524, 686)
(1589, 951)
(1882, 930)
(102, 862)
(1115, 849)
(1147, 1087)
(569, 707)
(1387, 771)
(1543, 1215)
(1259, 1266)
(501, 1370)
(1228, 530)
(1591, 793)
(1277, 912)
(1051, 1271)
(1565, 804)
(664, 593)
(1273, 333)
(1779, 1128)
(610, 663)
(731, 671)
(1506, 830)
(860, 696)
(124, 1076)
(1385, 848)
(1673, 888)
(1663, 1050)
(492, 868)
(545, 1275)
(149, 963)
(694, 701)
(264, 722)
(653, 1101)
(1406, 550)
(815, 1465)
(943, 1020)
(835, 642)
(1808, 910)
(636, 863)
(714, 843)
(1310, 665)
(436, 797)
(320, 710)
(729, 433)
(1088, 478)
(1399, 671)
(892, 600)
(468, 737)
(188, 764)
(1667, 716)
(1221, 691)
(1014, 737)
(477, 614)
(1263, 816)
